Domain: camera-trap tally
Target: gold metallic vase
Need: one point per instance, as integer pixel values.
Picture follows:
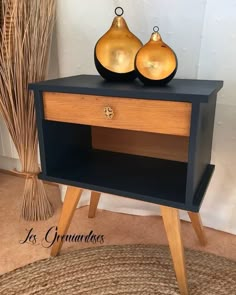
(156, 63)
(115, 51)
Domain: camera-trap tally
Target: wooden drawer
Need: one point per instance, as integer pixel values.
(166, 117)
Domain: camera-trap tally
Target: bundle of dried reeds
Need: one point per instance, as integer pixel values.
(25, 35)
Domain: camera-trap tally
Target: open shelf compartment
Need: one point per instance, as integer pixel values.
(145, 178)
(71, 159)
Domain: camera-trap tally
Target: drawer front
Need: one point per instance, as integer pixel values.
(166, 117)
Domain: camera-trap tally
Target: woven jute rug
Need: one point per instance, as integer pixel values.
(124, 269)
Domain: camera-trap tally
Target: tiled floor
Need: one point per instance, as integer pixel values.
(116, 228)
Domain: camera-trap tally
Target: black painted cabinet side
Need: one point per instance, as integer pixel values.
(39, 110)
(201, 134)
(59, 143)
(64, 143)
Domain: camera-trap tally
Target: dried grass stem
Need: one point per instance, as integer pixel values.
(25, 36)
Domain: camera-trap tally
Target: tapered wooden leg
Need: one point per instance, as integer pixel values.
(71, 200)
(94, 199)
(197, 225)
(172, 226)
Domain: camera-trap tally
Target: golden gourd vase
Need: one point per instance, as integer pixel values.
(156, 63)
(115, 51)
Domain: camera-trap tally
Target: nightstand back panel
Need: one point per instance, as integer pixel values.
(158, 116)
(154, 145)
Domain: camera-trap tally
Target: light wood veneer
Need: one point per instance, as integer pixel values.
(141, 143)
(166, 117)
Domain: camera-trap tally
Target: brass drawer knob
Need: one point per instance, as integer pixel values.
(109, 113)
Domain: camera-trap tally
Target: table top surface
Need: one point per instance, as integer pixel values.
(177, 89)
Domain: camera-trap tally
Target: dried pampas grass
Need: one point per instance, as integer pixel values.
(25, 36)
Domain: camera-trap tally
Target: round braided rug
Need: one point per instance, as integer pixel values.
(124, 269)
